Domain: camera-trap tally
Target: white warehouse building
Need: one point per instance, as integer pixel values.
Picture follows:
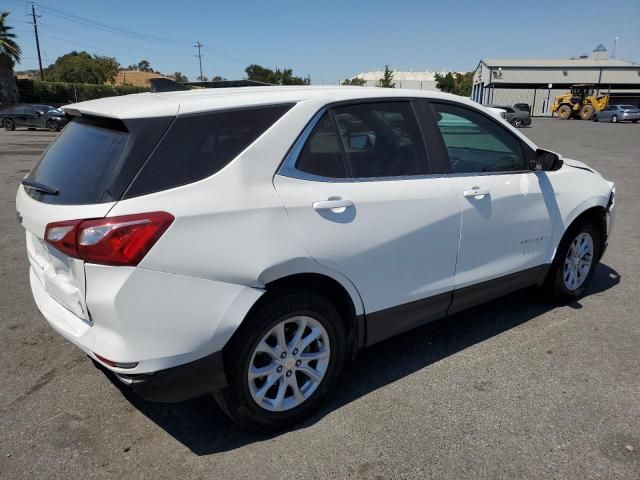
(537, 81)
(425, 80)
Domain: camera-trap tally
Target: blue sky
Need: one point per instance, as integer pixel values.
(328, 40)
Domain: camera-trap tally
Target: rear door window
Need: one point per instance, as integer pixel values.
(79, 164)
(197, 146)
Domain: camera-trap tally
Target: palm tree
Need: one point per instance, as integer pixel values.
(9, 56)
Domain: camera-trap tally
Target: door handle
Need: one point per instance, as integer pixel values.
(332, 205)
(477, 193)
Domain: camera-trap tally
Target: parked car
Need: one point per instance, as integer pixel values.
(33, 116)
(517, 118)
(525, 107)
(618, 113)
(246, 242)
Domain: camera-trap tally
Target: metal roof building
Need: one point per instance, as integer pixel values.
(538, 81)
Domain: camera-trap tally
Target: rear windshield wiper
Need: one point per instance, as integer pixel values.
(41, 187)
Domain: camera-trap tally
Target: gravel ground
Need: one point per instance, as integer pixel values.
(518, 388)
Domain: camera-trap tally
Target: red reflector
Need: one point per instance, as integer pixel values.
(123, 240)
(111, 363)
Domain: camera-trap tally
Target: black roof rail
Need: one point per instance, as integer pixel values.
(168, 85)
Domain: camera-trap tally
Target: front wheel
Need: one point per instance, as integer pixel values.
(564, 112)
(52, 126)
(516, 122)
(576, 259)
(283, 362)
(614, 119)
(8, 124)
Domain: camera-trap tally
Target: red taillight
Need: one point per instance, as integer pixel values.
(123, 240)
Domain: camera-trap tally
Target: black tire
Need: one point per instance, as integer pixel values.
(614, 119)
(595, 118)
(564, 112)
(587, 112)
(634, 121)
(516, 122)
(554, 282)
(8, 124)
(236, 400)
(52, 126)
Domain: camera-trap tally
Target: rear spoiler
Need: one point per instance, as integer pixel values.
(168, 85)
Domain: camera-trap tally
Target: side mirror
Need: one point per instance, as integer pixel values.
(547, 161)
(359, 142)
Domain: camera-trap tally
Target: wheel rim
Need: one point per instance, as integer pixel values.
(614, 119)
(289, 363)
(578, 261)
(51, 125)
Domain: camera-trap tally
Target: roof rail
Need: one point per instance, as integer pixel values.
(168, 85)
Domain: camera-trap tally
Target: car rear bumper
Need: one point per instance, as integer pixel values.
(178, 384)
(153, 320)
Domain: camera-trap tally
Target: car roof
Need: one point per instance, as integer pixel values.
(144, 105)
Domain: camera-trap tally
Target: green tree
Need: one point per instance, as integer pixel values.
(144, 66)
(82, 67)
(217, 78)
(202, 78)
(9, 55)
(356, 81)
(275, 77)
(456, 83)
(387, 78)
(180, 77)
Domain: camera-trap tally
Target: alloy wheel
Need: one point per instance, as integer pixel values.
(289, 363)
(578, 261)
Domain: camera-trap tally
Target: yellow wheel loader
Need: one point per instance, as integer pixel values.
(580, 102)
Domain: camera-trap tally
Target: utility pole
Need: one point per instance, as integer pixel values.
(198, 45)
(615, 44)
(35, 29)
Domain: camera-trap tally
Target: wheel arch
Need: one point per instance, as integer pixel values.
(595, 213)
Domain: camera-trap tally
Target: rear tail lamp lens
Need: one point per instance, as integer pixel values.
(123, 240)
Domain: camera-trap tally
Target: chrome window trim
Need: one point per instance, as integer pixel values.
(288, 166)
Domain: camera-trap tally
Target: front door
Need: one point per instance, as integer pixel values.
(505, 222)
(358, 192)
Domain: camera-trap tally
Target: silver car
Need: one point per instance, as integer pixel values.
(618, 113)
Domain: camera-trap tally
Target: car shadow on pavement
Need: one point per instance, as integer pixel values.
(202, 427)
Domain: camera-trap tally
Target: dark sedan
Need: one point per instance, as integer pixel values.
(517, 118)
(33, 116)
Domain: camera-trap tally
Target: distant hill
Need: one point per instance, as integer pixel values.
(137, 78)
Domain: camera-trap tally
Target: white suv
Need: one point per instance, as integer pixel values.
(245, 241)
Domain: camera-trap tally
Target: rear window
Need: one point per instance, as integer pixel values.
(197, 146)
(79, 164)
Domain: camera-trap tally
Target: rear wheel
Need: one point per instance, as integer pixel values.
(586, 112)
(283, 362)
(564, 112)
(634, 121)
(594, 118)
(52, 126)
(575, 262)
(614, 119)
(8, 124)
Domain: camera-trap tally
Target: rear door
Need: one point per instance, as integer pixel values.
(359, 191)
(19, 117)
